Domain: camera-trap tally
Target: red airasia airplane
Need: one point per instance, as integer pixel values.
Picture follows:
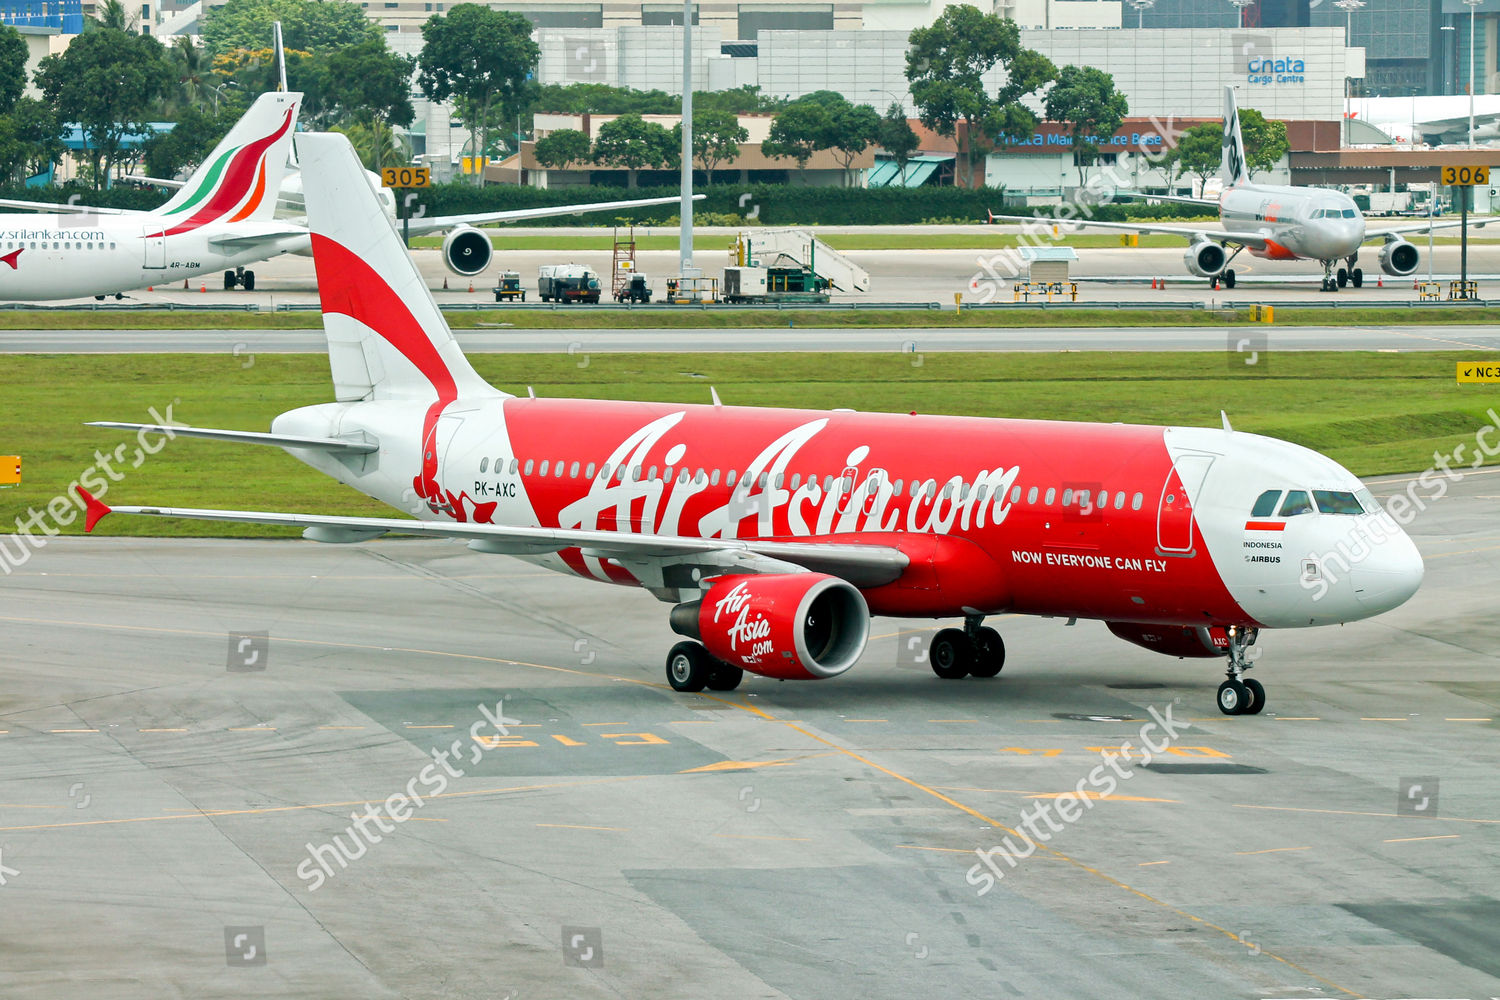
(777, 533)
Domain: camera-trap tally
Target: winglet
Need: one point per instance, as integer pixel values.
(93, 509)
(1225, 417)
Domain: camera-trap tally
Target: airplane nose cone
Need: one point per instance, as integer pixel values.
(1389, 577)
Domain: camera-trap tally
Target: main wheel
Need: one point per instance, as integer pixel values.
(230, 281)
(688, 667)
(723, 677)
(1357, 277)
(1229, 278)
(989, 653)
(951, 654)
(1234, 698)
(1257, 696)
(1342, 276)
(247, 281)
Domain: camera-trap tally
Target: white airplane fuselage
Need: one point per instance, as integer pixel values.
(1299, 223)
(66, 256)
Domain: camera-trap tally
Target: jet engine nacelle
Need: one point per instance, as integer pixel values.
(1204, 259)
(1174, 640)
(1398, 258)
(791, 626)
(467, 251)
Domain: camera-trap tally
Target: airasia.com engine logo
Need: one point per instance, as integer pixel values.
(756, 633)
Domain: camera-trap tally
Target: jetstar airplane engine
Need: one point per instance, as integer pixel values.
(791, 626)
(1398, 258)
(1203, 258)
(467, 251)
(1174, 640)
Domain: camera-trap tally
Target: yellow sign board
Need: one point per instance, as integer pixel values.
(10, 470)
(1479, 371)
(1466, 176)
(405, 177)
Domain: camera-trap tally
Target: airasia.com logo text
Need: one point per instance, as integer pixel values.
(758, 632)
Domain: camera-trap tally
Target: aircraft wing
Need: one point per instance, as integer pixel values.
(1422, 227)
(433, 224)
(337, 446)
(65, 209)
(864, 565)
(1255, 241)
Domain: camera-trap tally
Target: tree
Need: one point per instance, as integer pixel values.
(851, 129)
(112, 14)
(190, 68)
(376, 144)
(192, 138)
(1198, 151)
(481, 58)
(717, 135)
(370, 84)
(562, 147)
(13, 56)
(798, 132)
(1086, 100)
(896, 137)
(946, 63)
(631, 142)
(106, 80)
(30, 139)
(306, 25)
(1265, 141)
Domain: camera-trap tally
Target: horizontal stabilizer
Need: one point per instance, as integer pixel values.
(333, 445)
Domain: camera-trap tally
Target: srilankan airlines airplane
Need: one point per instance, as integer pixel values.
(776, 533)
(1276, 222)
(222, 218)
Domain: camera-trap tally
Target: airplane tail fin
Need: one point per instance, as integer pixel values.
(280, 49)
(1232, 168)
(386, 337)
(240, 179)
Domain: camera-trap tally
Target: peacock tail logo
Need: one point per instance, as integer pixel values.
(232, 187)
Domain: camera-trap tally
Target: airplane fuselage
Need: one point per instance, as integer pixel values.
(1299, 223)
(69, 256)
(1106, 521)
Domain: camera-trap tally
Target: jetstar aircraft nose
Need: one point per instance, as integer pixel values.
(1388, 577)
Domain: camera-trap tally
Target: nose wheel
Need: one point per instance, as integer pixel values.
(1241, 695)
(974, 649)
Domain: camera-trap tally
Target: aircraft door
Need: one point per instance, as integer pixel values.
(1174, 515)
(156, 247)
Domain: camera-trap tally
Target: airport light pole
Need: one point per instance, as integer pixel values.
(1242, 5)
(1472, 5)
(1348, 7)
(685, 214)
(226, 83)
(1141, 6)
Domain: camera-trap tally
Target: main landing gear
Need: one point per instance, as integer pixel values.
(239, 277)
(692, 668)
(974, 649)
(1333, 280)
(1241, 695)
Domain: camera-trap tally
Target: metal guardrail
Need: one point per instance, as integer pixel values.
(521, 308)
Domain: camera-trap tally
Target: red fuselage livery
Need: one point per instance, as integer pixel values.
(777, 533)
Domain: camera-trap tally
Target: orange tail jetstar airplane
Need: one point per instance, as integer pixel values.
(1275, 222)
(776, 533)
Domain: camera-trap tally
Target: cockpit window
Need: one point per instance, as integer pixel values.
(1371, 505)
(1265, 504)
(1337, 502)
(1350, 213)
(1296, 503)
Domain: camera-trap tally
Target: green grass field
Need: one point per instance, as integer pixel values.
(1375, 413)
(711, 318)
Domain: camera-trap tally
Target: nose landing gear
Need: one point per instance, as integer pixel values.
(1240, 695)
(974, 649)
